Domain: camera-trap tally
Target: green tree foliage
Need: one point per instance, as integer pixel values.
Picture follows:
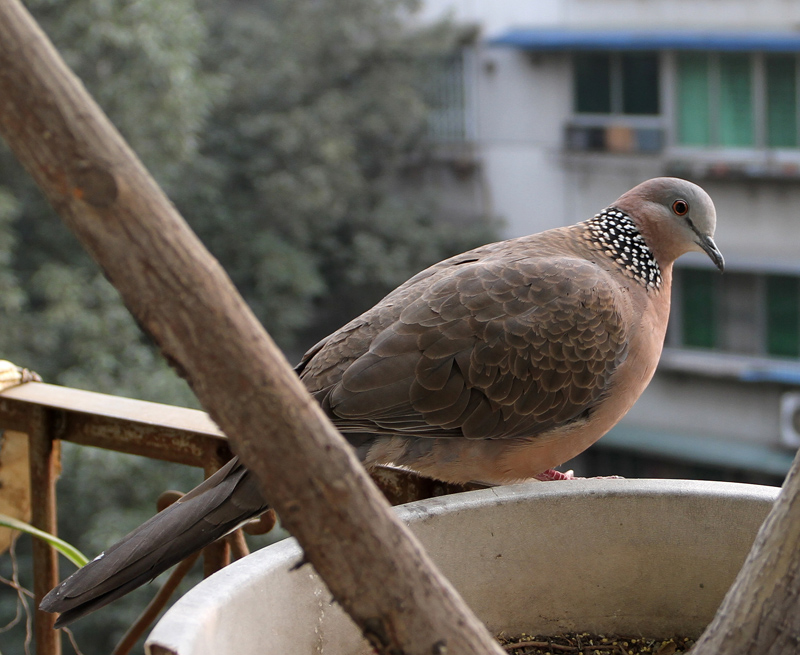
(12, 295)
(140, 60)
(305, 185)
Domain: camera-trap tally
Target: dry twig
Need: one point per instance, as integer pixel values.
(155, 606)
(23, 594)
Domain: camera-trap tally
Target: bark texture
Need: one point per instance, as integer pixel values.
(760, 614)
(180, 295)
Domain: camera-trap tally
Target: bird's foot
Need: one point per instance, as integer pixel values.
(551, 474)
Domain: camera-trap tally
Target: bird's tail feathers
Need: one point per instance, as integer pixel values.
(208, 512)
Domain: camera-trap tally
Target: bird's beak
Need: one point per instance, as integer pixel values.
(710, 248)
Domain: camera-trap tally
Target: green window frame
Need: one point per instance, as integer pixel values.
(736, 121)
(737, 100)
(699, 315)
(694, 101)
(774, 319)
(781, 81)
(715, 100)
(783, 316)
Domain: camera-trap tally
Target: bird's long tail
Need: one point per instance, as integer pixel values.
(209, 511)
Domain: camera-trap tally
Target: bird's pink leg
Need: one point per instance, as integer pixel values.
(552, 474)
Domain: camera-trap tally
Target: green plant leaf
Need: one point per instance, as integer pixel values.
(67, 550)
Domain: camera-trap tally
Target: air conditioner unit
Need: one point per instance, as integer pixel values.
(790, 420)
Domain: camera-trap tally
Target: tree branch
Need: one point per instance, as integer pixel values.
(760, 614)
(180, 295)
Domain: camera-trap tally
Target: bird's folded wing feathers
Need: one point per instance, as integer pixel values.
(492, 349)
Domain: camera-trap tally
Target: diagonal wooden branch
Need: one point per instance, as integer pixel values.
(180, 295)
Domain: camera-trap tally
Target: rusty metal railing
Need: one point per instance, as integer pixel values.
(49, 414)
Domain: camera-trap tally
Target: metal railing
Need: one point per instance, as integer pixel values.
(49, 414)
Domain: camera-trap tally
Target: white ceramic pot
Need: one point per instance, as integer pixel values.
(640, 557)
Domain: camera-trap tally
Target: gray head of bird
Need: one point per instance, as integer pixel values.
(675, 217)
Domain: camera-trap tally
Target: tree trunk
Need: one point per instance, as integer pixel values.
(761, 612)
(179, 294)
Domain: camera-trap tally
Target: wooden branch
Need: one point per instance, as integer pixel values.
(760, 614)
(180, 295)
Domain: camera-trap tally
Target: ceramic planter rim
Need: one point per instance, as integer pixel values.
(185, 628)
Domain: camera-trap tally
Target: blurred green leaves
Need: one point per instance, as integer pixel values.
(314, 152)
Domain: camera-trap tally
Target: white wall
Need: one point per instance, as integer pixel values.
(757, 219)
(498, 15)
(519, 135)
(747, 413)
(690, 14)
(594, 181)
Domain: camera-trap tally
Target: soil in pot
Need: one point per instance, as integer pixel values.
(585, 643)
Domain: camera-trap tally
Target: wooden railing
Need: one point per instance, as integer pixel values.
(49, 414)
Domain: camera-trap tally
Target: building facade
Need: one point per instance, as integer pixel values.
(559, 106)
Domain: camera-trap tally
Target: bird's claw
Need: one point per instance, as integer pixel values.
(551, 475)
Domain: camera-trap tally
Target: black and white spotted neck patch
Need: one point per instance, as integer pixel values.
(613, 232)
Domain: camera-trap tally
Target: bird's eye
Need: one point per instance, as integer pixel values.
(680, 207)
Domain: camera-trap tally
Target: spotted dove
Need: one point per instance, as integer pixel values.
(495, 366)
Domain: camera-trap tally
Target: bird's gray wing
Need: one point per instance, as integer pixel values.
(486, 349)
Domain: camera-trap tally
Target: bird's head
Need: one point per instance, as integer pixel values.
(675, 217)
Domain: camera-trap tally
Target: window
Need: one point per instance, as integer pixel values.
(616, 83)
(742, 313)
(699, 316)
(740, 323)
(593, 84)
(694, 115)
(639, 84)
(781, 76)
(715, 100)
(446, 94)
(737, 100)
(616, 103)
(783, 316)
